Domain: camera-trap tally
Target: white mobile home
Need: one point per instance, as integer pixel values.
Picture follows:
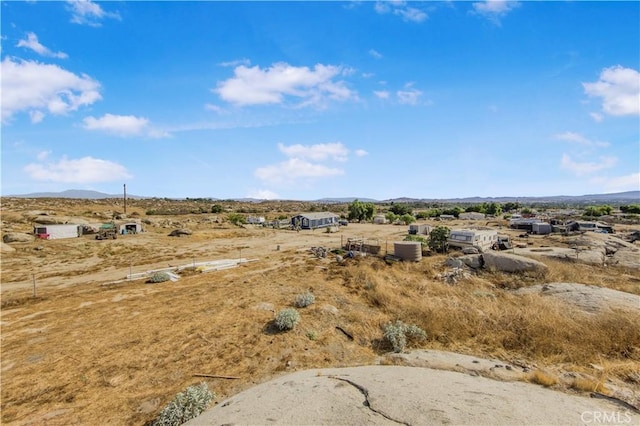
(315, 220)
(481, 239)
(54, 232)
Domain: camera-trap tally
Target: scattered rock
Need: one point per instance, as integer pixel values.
(16, 237)
(454, 263)
(180, 232)
(330, 309)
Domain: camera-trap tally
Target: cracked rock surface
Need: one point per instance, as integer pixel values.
(392, 395)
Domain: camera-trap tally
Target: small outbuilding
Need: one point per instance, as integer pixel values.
(541, 228)
(130, 228)
(380, 219)
(419, 229)
(315, 220)
(55, 232)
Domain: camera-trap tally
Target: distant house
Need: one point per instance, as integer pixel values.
(253, 220)
(471, 216)
(54, 232)
(315, 220)
(379, 219)
(481, 239)
(446, 217)
(129, 228)
(525, 224)
(541, 228)
(419, 229)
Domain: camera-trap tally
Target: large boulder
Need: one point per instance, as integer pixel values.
(506, 262)
(50, 220)
(589, 298)
(17, 237)
(472, 260)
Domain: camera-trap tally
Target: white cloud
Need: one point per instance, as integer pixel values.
(31, 42)
(374, 53)
(580, 169)
(86, 12)
(620, 183)
(361, 152)
(382, 94)
(80, 171)
(43, 155)
(123, 125)
(619, 89)
(255, 86)
(579, 139)
(400, 8)
(597, 117)
(263, 194)
(409, 96)
(494, 10)
(235, 63)
(319, 152)
(36, 116)
(295, 168)
(33, 86)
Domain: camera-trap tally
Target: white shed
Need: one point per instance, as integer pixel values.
(54, 232)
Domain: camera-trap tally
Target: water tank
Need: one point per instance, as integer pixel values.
(410, 251)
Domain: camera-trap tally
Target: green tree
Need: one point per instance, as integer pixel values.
(493, 209)
(630, 209)
(455, 211)
(401, 209)
(361, 211)
(407, 219)
(438, 238)
(217, 208)
(511, 206)
(391, 217)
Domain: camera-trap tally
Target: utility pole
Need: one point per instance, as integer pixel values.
(125, 198)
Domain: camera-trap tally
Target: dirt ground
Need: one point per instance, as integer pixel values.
(95, 348)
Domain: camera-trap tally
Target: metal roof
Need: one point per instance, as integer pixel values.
(318, 215)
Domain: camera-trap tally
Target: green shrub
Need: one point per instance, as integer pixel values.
(397, 333)
(287, 319)
(159, 277)
(304, 300)
(185, 406)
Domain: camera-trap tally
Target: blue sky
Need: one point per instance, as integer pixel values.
(304, 100)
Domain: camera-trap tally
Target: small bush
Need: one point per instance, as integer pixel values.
(185, 406)
(287, 319)
(159, 277)
(304, 300)
(397, 333)
(542, 378)
(312, 334)
(588, 385)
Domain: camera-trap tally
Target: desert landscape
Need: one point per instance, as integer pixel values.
(87, 339)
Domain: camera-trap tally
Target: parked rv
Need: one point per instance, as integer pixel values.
(481, 239)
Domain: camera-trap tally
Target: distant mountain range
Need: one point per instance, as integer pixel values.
(75, 193)
(619, 197)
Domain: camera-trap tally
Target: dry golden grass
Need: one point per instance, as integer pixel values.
(542, 378)
(95, 354)
(588, 385)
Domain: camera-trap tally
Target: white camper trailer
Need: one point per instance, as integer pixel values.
(54, 232)
(481, 239)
